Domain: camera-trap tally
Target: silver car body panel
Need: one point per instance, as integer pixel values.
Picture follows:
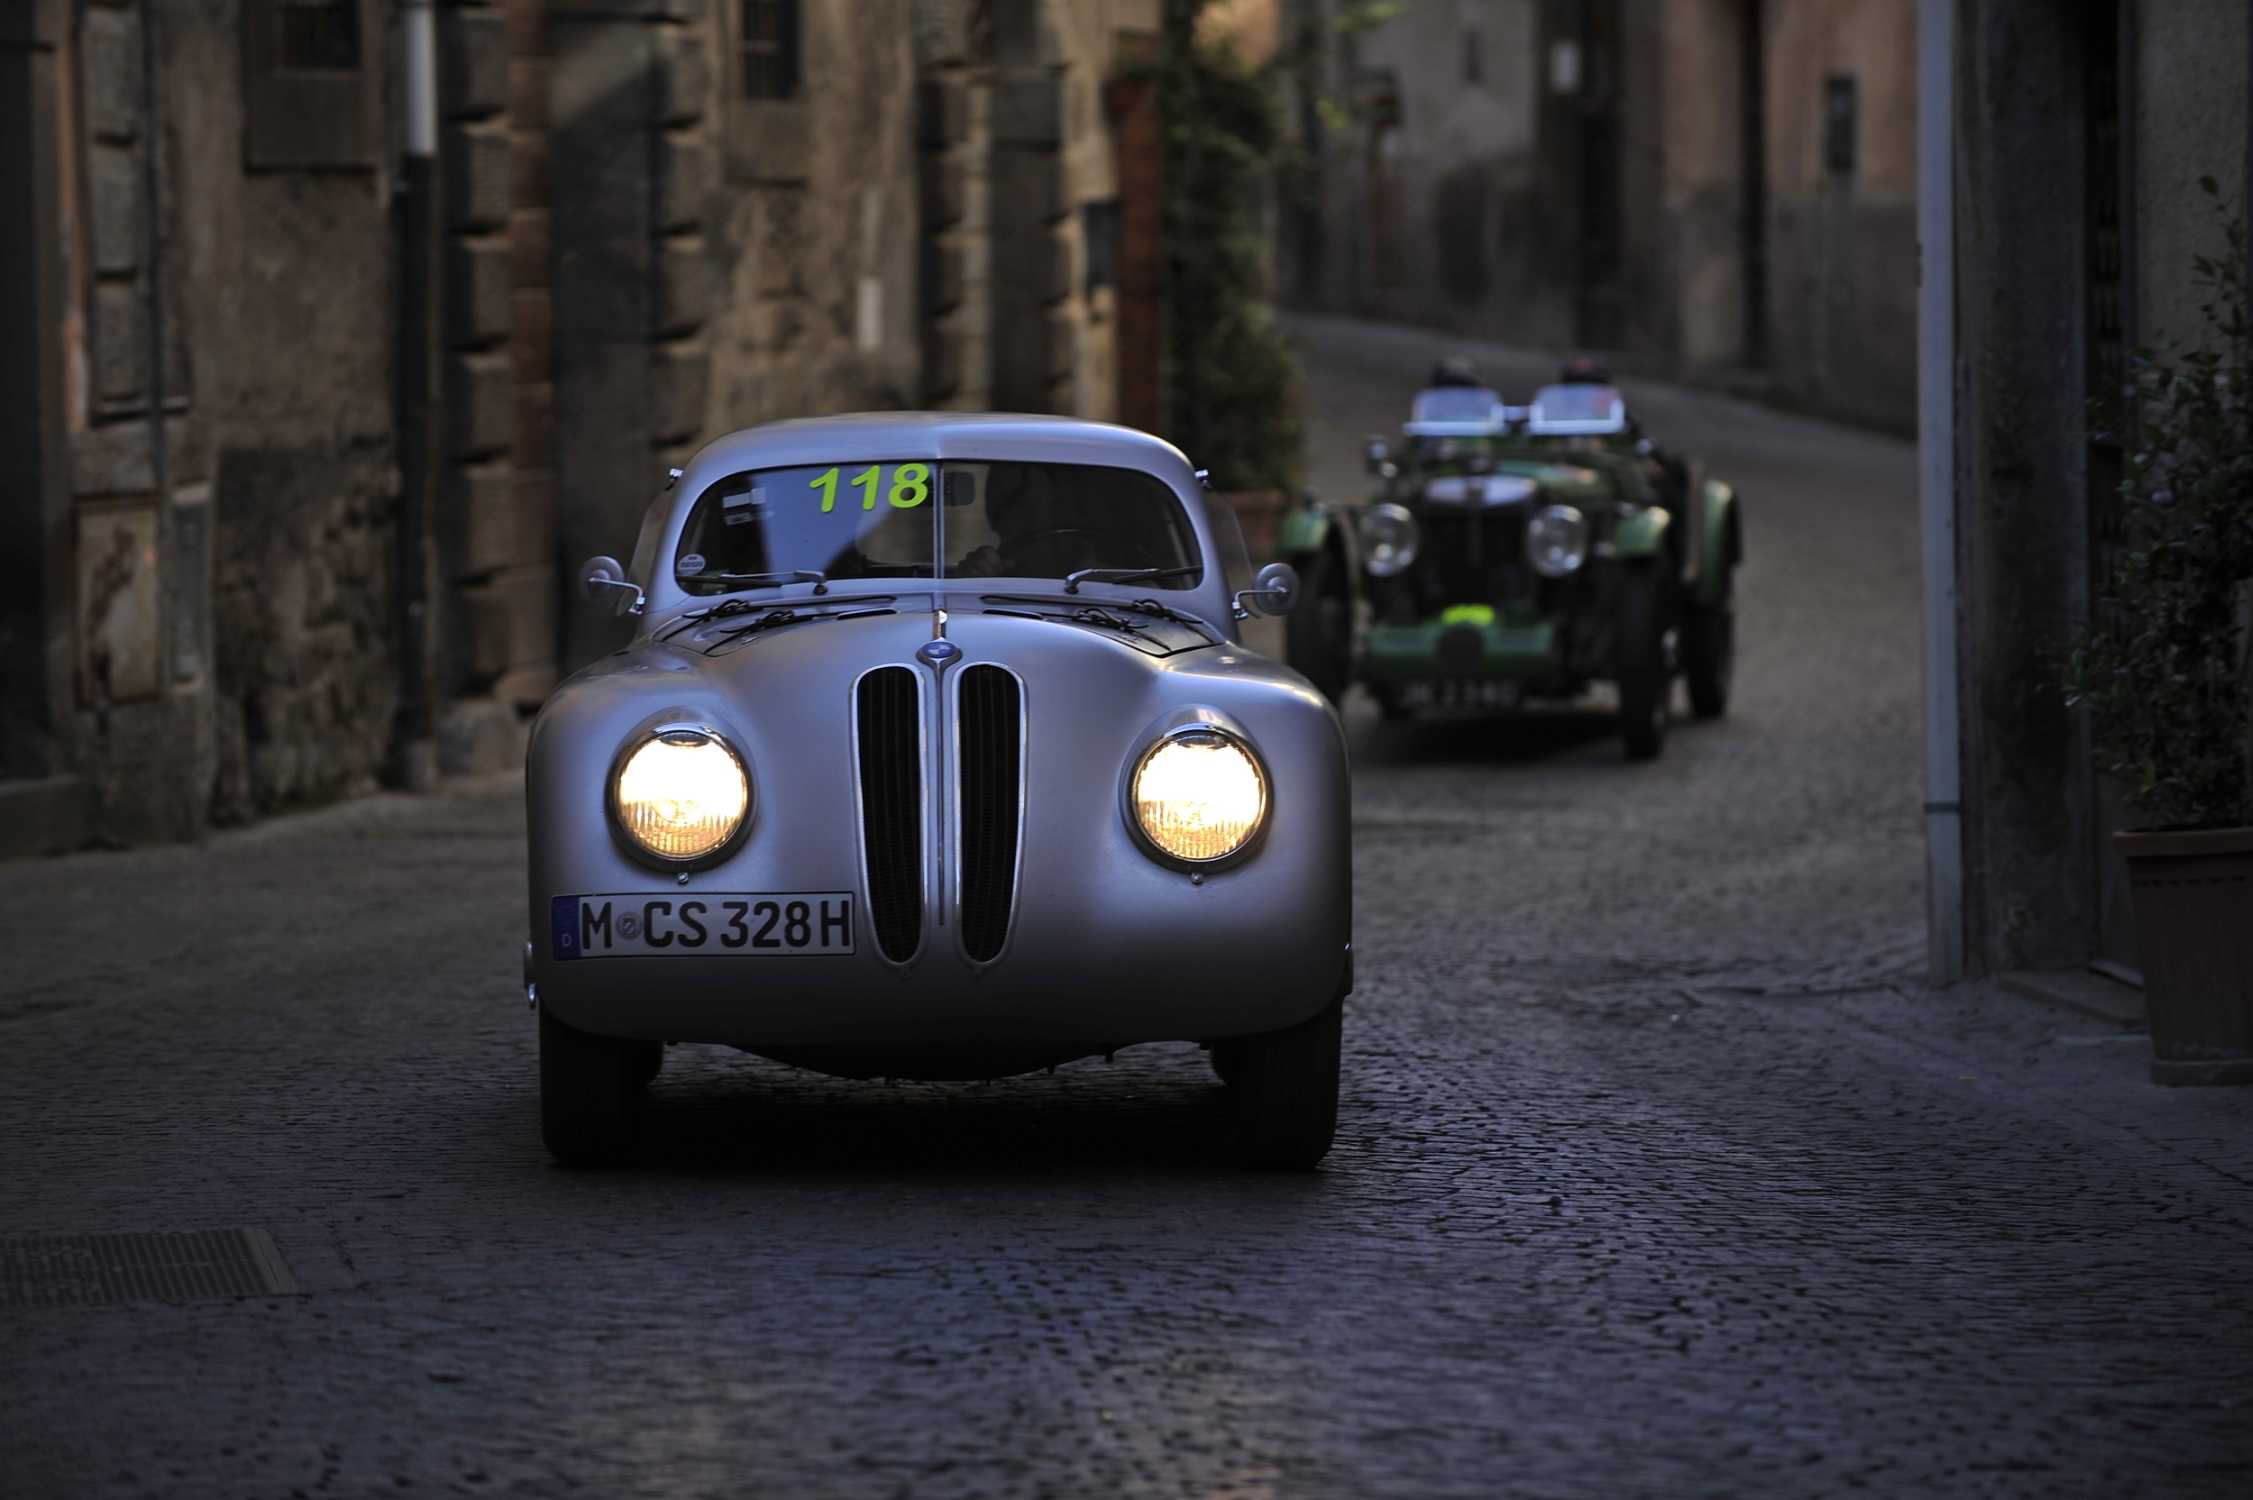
(1105, 946)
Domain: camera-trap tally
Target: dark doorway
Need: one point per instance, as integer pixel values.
(2108, 306)
(1752, 64)
(1599, 260)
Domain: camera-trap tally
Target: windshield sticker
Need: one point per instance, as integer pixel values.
(690, 565)
(742, 507)
(911, 486)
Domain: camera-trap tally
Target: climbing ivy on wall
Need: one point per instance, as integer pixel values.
(1232, 380)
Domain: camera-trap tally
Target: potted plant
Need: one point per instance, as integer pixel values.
(2161, 671)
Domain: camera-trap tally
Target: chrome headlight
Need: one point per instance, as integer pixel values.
(1199, 794)
(1556, 540)
(1388, 539)
(681, 795)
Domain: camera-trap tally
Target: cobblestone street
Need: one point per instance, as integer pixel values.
(1658, 1172)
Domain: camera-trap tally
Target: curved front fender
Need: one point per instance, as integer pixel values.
(1721, 542)
(1642, 534)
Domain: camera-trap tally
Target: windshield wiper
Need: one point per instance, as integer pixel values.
(1072, 581)
(820, 581)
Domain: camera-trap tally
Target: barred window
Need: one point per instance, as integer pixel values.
(317, 36)
(309, 94)
(770, 49)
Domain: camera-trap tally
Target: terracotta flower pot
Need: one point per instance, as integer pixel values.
(2194, 929)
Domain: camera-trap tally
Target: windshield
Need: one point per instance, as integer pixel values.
(770, 527)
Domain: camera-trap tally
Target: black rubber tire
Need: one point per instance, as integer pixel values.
(1318, 634)
(1709, 657)
(1286, 1092)
(649, 1061)
(590, 1093)
(1227, 1059)
(1645, 685)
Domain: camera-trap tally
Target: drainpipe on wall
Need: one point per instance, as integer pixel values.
(417, 405)
(152, 299)
(1936, 485)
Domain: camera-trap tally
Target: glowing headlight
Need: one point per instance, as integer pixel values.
(1388, 539)
(682, 794)
(1199, 795)
(1556, 540)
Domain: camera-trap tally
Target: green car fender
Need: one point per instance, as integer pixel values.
(1306, 529)
(1720, 541)
(1642, 534)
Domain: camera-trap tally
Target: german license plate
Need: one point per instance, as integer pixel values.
(729, 924)
(1497, 693)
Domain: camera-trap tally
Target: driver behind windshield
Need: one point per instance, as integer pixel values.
(1052, 520)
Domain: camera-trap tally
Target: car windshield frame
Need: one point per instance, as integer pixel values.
(963, 541)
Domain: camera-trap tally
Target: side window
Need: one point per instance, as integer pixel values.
(306, 85)
(1235, 558)
(643, 569)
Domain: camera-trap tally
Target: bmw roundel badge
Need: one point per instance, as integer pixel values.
(938, 653)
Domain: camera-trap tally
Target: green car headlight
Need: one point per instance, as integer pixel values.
(1388, 540)
(1556, 541)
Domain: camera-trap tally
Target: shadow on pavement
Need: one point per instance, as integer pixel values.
(715, 1111)
(1513, 739)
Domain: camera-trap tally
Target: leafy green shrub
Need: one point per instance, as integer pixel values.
(2161, 667)
(1232, 383)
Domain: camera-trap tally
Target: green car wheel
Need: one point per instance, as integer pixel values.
(1709, 657)
(1644, 681)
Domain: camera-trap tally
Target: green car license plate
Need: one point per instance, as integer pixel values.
(1497, 693)
(709, 924)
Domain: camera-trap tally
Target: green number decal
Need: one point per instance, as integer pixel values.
(827, 484)
(866, 480)
(911, 486)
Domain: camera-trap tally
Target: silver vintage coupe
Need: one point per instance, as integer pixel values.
(937, 754)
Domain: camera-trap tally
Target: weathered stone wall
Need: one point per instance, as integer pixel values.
(2188, 94)
(1469, 210)
(1440, 216)
(1842, 239)
(232, 631)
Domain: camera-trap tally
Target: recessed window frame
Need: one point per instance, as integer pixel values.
(769, 45)
(301, 115)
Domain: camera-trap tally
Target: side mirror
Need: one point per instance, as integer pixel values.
(1274, 591)
(602, 578)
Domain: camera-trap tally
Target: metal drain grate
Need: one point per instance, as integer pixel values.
(85, 1270)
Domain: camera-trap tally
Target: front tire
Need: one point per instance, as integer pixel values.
(1709, 657)
(1644, 682)
(1285, 1091)
(590, 1093)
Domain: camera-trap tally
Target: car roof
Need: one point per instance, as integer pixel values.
(880, 435)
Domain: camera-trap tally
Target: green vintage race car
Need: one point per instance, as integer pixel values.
(1518, 553)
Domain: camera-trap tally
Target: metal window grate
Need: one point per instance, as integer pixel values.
(889, 719)
(770, 49)
(318, 36)
(85, 1270)
(992, 773)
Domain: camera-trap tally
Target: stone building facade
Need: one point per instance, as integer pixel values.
(656, 220)
(1712, 188)
(2080, 134)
